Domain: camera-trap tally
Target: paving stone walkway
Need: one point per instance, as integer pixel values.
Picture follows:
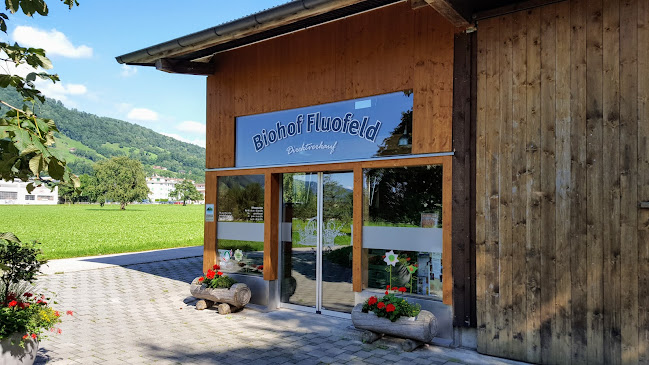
(143, 314)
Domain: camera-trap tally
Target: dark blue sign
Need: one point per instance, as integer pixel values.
(346, 130)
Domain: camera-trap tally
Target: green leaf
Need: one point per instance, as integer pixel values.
(55, 168)
(29, 149)
(8, 236)
(31, 77)
(36, 165)
(5, 80)
(30, 187)
(44, 62)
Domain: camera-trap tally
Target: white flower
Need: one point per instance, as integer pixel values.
(391, 258)
(238, 255)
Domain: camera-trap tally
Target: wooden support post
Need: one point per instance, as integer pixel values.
(209, 233)
(357, 257)
(271, 225)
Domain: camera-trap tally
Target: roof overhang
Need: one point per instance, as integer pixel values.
(191, 54)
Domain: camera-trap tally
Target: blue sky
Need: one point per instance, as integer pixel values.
(83, 43)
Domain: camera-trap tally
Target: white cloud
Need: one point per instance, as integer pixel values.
(61, 91)
(190, 126)
(53, 41)
(128, 71)
(142, 114)
(198, 142)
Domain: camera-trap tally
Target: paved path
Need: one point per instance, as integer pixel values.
(142, 313)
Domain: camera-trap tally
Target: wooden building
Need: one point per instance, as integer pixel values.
(519, 129)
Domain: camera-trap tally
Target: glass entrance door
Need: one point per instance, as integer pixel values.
(317, 210)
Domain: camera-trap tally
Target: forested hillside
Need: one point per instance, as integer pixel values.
(86, 138)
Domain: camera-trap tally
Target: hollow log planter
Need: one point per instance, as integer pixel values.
(237, 296)
(417, 330)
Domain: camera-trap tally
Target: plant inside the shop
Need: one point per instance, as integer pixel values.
(391, 306)
(391, 258)
(26, 317)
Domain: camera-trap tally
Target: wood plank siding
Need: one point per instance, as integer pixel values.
(562, 163)
(390, 49)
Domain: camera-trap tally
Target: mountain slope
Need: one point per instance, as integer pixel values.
(86, 138)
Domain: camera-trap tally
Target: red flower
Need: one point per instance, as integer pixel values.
(395, 288)
(407, 258)
(23, 305)
(403, 289)
(390, 308)
(210, 274)
(386, 292)
(372, 301)
(388, 287)
(216, 267)
(56, 313)
(25, 337)
(381, 305)
(12, 303)
(34, 336)
(200, 280)
(219, 273)
(69, 313)
(59, 331)
(28, 295)
(260, 267)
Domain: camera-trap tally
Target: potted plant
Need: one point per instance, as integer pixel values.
(216, 287)
(395, 316)
(25, 317)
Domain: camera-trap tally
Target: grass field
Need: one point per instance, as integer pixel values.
(87, 230)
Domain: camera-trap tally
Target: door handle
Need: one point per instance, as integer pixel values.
(644, 205)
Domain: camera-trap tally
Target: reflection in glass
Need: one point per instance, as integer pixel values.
(337, 211)
(240, 228)
(299, 238)
(403, 214)
(300, 246)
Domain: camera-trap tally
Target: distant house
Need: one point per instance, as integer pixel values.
(16, 193)
(160, 187)
(201, 189)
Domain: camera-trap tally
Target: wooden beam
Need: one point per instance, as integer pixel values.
(451, 12)
(461, 230)
(416, 4)
(210, 256)
(357, 238)
(512, 8)
(184, 67)
(271, 225)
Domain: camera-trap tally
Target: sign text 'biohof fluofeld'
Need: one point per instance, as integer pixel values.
(346, 130)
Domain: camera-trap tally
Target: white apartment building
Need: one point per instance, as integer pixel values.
(16, 193)
(161, 186)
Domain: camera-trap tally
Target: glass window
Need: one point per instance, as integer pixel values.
(347, 130)
(240, 224)
(10, 195)
(402, 228)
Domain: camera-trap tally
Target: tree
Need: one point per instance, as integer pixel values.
(185, 191)
(26, 140)
(122, 180)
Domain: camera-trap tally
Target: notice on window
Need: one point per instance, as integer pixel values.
(209, 212)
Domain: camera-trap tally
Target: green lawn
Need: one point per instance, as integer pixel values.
(87, 230)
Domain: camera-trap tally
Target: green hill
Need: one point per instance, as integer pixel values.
(86, 138)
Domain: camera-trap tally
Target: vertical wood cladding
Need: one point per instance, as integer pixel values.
(562, 162)
(386, 50)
